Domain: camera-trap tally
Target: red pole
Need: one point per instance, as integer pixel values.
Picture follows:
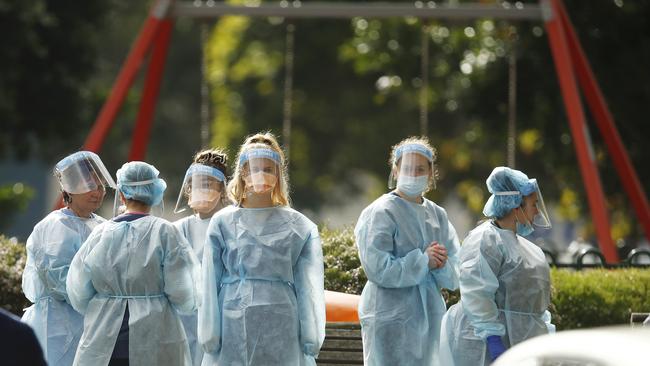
(124, 79)
(582, 142)
(605, 123)
(122, 84)
(153, 79)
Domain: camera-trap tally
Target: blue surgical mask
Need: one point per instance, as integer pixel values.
(524, 229)
(412, 186)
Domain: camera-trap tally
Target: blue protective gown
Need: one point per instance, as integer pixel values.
(147, 265)
(263, 297)
(194, 229)
(401, 306)
(50, 249)
(505, 291)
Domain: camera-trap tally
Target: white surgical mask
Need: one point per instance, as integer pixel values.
(412, 186)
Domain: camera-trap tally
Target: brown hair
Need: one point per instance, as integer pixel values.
(215, 158)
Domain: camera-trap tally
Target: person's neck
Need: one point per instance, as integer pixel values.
(508, 222)
(80, 212)
(136, 207)
(414, 199)
(257, 200)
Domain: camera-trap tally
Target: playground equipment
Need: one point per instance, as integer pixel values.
(573, 70)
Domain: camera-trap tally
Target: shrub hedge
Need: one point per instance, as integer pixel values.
(12, 263)
(597, 297)
(580, 299)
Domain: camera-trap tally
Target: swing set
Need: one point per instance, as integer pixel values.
(572, 67)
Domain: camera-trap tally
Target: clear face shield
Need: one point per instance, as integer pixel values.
(541, 218)
(203, 188)
(83, 172)
(412, 170)
(260, 170)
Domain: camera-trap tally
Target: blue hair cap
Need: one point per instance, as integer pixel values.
(508, 187)
(139, 181)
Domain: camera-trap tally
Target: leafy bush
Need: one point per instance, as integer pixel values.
(343, 271)
(598, 297)
(579, 299)
(13, 199)
(12, 262)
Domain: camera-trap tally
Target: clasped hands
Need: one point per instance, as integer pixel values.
(437, 254)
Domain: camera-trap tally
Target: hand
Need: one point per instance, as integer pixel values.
(437, 254)
(495, 346)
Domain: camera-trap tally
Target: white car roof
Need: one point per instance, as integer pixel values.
(606, 346)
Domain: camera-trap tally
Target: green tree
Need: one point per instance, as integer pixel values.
(13, 199)
(356, 91)
(48, 54)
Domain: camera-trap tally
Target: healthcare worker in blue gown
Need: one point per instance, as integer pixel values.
(263, 297)
(203, 193)
(129, 279)
(408, 250)
(504, 278)
(50, 249)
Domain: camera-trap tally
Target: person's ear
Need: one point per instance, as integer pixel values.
(122, 198)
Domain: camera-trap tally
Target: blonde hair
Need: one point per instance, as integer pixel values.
(237, 187)
(420, 140)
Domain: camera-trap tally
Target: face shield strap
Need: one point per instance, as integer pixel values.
(507, 193)
(205, 170)
(259, 153)
(409, 148)
(139, 183)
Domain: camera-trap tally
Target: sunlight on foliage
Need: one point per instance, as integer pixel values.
(569, 207)
(220, 49)
(473, 194)
(621, 225)
(530, 141)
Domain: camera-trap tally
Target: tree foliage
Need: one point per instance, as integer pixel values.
(13, 199)
(49, 52)
(356, 93)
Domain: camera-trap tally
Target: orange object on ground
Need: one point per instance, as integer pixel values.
(341, 308)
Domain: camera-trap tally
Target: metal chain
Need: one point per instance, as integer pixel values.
(205, 89)
(424, 88)
(512, 102)
(288, 89)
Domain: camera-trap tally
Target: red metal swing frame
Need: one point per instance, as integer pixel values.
(573, 70)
